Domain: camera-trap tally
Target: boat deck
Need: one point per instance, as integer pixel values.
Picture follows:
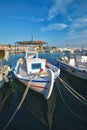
(23, 72)
(23, 69)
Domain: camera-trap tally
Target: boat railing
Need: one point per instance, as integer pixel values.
(82, 65)
(52, 67)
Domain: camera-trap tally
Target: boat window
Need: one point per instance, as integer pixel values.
(36, 66)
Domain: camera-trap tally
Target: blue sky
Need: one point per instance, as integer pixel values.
(61, 23)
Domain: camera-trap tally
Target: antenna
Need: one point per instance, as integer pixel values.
(32, 37)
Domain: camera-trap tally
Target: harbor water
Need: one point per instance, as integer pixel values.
(70, 112)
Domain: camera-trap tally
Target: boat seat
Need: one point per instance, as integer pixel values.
(66, 58)
(72, 62)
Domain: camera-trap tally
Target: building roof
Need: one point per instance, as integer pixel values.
(32, 42)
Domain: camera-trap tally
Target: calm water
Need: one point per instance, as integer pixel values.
(70, 113)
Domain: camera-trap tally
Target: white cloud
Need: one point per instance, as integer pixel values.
(59, 7)
(36, 19)
(18, 17)
(56, 26)
(78, 25)
(28, 18)
(78, 31)
(40, 20)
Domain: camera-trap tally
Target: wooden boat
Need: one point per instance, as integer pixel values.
(4, 69)
(75, 67)
(36, 72)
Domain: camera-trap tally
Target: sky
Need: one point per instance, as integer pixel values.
(61, 23)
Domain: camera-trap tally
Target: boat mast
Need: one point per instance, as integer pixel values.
(32, 38)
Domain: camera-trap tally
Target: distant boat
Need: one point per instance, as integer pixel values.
(36, 72)
(49, 50)
(75, 67)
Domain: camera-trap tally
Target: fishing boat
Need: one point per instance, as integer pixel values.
(75, 66)
(36, 72)
(4, 69)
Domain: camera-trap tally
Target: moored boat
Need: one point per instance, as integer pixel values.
(77, 68)
(6, 89)
(4, 69)
(37, 73)
(40, 76)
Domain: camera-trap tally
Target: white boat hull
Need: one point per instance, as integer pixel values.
(42, 87)
(75, 71)
(42, 84)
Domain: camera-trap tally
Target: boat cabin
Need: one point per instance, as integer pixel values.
(35, 64)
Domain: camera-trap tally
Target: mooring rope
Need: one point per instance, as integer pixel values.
(77, 115)
(19, 105)
(73, 92)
